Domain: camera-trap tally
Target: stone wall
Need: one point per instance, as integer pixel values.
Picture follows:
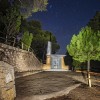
(20, 59)
(7, 82)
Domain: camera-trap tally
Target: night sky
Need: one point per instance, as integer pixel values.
(66, 17)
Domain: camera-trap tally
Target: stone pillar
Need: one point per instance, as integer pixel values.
(48, 60)
(63, 64)
(7, 82)
(49, 48)
(47, 66)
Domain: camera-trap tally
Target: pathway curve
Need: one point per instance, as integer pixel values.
(51, 95)
(44, 84)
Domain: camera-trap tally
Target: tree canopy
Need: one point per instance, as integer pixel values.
(26, 40)
(32, 26)
(11, 12)
(85, 46)
(27, 7)
(40, 41)
(94, 23)
(10, 22)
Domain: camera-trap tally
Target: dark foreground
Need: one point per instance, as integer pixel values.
(82, 92)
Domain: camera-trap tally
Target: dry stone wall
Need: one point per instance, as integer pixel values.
(20, 59)
(7, 82)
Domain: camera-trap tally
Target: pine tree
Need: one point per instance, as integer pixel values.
(85, 47)
(94, 23)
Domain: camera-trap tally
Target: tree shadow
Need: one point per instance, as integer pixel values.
(68, 61)
(82, 72)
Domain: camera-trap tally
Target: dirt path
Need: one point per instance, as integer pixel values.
(83, 92)
(46, 85)
(51, 95)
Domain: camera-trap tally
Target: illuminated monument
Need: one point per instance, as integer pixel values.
(54, 62)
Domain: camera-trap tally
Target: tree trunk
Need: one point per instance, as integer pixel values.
(6, 39)
(88, 73)
(22, 45)
(28, 49)
(14, 41)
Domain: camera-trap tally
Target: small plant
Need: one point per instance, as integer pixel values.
(26, 40)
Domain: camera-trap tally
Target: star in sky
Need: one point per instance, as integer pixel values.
(50, 6)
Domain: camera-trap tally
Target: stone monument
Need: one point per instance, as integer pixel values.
(54, 62)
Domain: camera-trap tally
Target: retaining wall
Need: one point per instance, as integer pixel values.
(7, 82)
(20, 59)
